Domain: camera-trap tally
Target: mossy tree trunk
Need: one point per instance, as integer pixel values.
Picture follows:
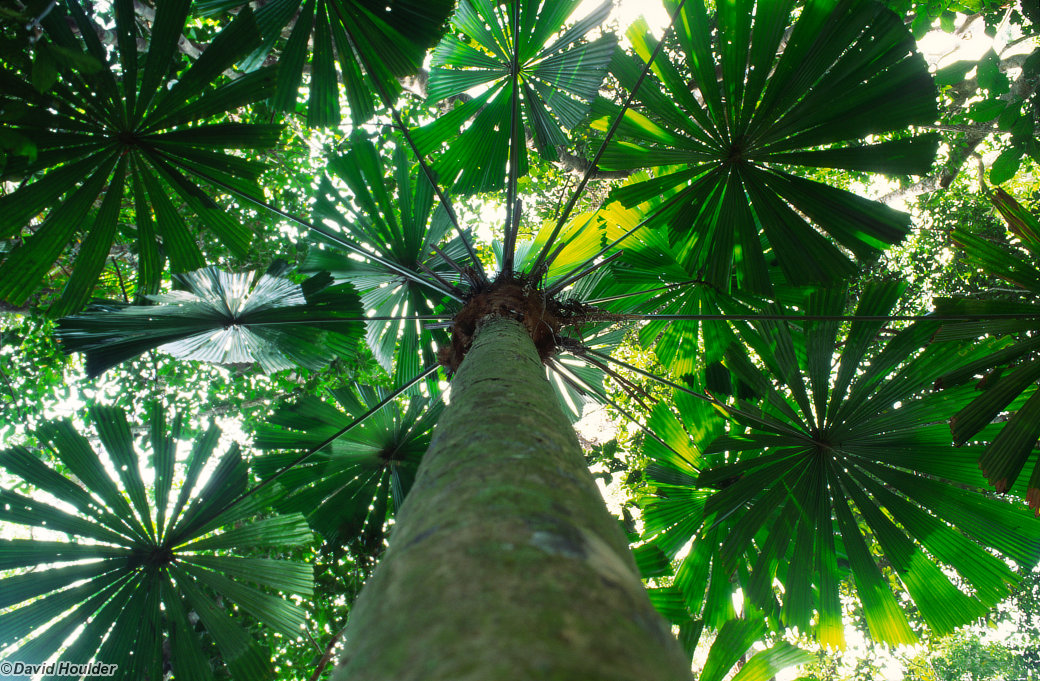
(504, 563)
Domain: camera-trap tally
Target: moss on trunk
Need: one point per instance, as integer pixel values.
(504, 563)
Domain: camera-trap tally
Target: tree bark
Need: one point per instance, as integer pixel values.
(504, 562)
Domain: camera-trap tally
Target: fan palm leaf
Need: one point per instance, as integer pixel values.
(132, 562)
(828, 473)
(370, 43)
(349, 489)
(735, 635)
(557, 74)
(762, 102)
(225, 318)
(673, 513)
(1016, 390)
(394, 217)
(133, 131)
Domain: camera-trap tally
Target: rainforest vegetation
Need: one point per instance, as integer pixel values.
(301, 301)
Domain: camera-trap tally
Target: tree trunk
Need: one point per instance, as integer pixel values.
(504, 563)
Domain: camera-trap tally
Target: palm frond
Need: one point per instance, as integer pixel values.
(1014, 390)
(125, 569)
(134, 132)
(225, 318)
(559, 73)
(723, 149)
(846, 458)
(369, 44)
(349, 489)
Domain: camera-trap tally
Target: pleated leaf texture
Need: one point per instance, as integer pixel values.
(138, 130)
(225, 318)
(368, 44)
(733, 107)
(395, 217)
(130, 566)
(350, 488)
(853, 477)
(1012, 375)
(653, 276)
(558, 72)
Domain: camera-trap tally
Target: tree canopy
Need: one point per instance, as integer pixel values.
(295, 219)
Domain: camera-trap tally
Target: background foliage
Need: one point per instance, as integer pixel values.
(148, 147)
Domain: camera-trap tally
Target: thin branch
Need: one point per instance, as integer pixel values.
(119, 275)
(985, 128)
(14, 397)
(326, 658)
(603, 147)
(32, 25)
(329, 440)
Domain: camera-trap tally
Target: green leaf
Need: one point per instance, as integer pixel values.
(559, 73)
(102, 600)
(954, 73)
(144, 114)
(797, 492)
(1006, 165)
(347, 488)
(986, 110)
(222, 318)
(847, 71)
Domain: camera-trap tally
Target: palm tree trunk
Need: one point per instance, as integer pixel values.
(504, 563)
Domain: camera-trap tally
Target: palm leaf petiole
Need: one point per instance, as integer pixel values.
(512, 206)
(693, 393)
(329, 236)
(621, 296)
(332, 438)
(427, 171)
(633, 390)
(444, 282)
(567, 281)
(603, 147)
(678, 198)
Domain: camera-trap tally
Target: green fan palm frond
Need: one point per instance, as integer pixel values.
(845, 459)
(131, 562)
(656, 278)
(134, 132)
(734, 644)
(1016, 390)
(394, 217)
(225, 318)
(370, 43)
(350, 488)
(734, 634)
(762, 102)
(558, 74)
(673, 513)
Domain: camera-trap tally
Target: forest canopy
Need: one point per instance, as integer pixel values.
(306, 307)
